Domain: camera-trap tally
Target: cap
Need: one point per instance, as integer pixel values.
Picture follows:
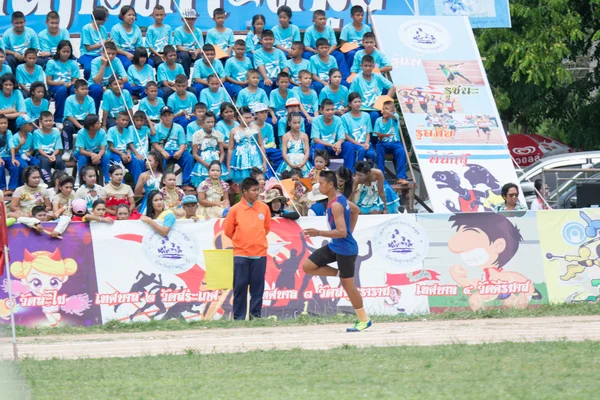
(274, 194)
(260, 107)
(315, 194)
(166, 109)
(189, 13)
(79, 206)
(23, 120)
(292, 102)
(189, 199)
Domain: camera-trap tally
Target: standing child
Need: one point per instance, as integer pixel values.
(48, 144)
(227, 122)
(170, 142)
(37, 103)
(268, 136)
(388, 135)
(126, 35)
(188, 40)
(285, 33)
(120, 141)
(90, 146)
(89, 190)
(93, 36)
(236, 68)
(321, 160)
(149, 180)
(141, 140)
(61, 73)
(358, 133)
(336, 92)
(370, 86)
(220, 35)
(318, 30)
(379, 59)
(309, 99)
(168, 72)
(50, 37)
(140, 72)
(207, 146)
(114, 100)
(21, 148)
(206, 66)
(213, 195)
(61, 204)
(158, 35)
(253, 38)
(171, 193)
(119, 193)
(182, 102)
(77, 106)
(18, 39)
(29, 72)
(321, 64)
(152, 103)
(269, 61)
(12, 104)
(329, 134)
(251, 95)
(214, 95)
(297, 63)
(296, 148)
(6, 159)
(245, 145)
(354, 32)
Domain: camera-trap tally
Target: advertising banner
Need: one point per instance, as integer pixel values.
(481, 13)
(449, 110)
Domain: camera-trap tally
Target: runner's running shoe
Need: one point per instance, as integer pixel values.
(359, 326)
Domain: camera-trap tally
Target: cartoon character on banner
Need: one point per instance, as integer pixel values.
(582, 269)
(41, 275)
(488, 243)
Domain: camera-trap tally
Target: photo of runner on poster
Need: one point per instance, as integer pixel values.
(452, 128)
(453, 72)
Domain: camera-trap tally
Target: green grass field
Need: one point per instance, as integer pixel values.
(546, 370)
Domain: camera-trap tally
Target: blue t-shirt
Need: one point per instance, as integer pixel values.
(94, 145)
(296, 68)
(282, 126)
(158, 38)
(34, 111)
(26, 78)
(328, 133)
(117, 65)
(90, 36)
(178, 104)
(164, 73)
(357, 128)
(169, 138)
(277, 102)
(351, 35)
(49, 43)
(236, 69)
(310, 100)
(127, 41)
(379, 60)
(226, 129)
(285, 37)
(252, 42)
(346, 246)
(212, 100)
(48, 142)
(370, 90)
(79, 111)
(7, 70)
(203, 71)
(389, 127)
(113, 104)
(186, 40)
(339, 98)
(222, 39)
(321, 68)
(140, 78)
(5, 144)
(152, 111)
(249, 99)
(63, 71)
(20, 43)
(311, 35)
(27, 146)
(274, 62)
(141, 139)
(268, 136)
(15, 100)
(192, 128)
(119, 140)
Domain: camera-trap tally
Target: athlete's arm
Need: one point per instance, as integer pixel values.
(340, 230)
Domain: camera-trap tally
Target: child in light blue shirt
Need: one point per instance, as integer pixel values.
(93, 36)
(140, 72)
(251, 95)
(320, 65)
(18, 39)
(182, 102)
(158, 35)
(48, 144)
(253, 38)
(285, 33)
(120, 145)
(37, 103)
(236, 69)
(388, 134)
(141, 139)
(379, 59)
(358, 131)
(77, 107)
(29, 72)
(62, 72)
(370, 86)
(220, 35)
(269, 61)
(335, 92)
(168, 71)
(127, 36)
(296, 63)
(203, 68)
(152, 103)
(113, 102)
(214, 95)
(354, 31)
(50, 37)
(21, 150)
(188, 43)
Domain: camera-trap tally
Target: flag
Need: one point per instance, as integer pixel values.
(3, 236)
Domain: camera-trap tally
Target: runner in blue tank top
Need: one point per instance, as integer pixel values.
(343, 249)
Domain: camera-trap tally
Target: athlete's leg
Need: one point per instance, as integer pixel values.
(316, 263)
(346, 266)
(352, 292)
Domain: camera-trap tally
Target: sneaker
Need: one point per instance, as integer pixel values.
(360, 326)
(67, 155)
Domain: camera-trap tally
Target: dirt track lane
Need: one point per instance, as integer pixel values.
(422, 333)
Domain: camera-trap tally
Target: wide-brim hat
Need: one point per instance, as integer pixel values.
(315, 194)
(274, 194)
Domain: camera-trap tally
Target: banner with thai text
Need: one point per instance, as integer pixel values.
(481, 13)
(449, 110)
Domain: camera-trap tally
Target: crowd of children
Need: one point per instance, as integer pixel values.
(221, 109)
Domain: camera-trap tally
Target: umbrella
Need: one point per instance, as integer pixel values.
(527, 149)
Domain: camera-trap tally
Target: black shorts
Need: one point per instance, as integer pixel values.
(325, 256)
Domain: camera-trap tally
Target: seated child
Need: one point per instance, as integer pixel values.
(114, 100)
(90, 146)
(321, 161)
(320, 65)
(168, 71)
(358, 129)
(48, 144)
(21, 151)
(37, 102)
(214, 95)
(119, 193)
(253, 38)
(205, 67)
(89, 190)
(152, 103)
(354, 32)
(252, 94)
(213, 193)
(285, 33)
(120, 144)
(269, 61)
(77, 106)
(98, 213)
(171, 193)
(220, 35)
(335, 92)
(268, 136)
(236, 68)
(61, 204)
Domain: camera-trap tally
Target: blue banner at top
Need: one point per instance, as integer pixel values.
(481, 13)
(75, 14)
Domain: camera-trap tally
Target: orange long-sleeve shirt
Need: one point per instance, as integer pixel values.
(248, 227)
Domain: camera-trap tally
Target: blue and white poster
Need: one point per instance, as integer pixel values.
(449, 110)
(481, 13)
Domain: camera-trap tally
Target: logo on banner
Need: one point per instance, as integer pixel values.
(401, 242)
(173, 253)
(524, 151)
(424, 36)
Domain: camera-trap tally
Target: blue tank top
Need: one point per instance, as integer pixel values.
(346, 246)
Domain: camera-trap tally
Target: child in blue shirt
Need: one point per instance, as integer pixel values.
(296, 63)
(220, 35)
(144, 130)
(167, 72)
(318, 30)
(6, 159)
(261, 112)
(120, 144)
(251, 95)
(227, 122)
(21, 149)
(205, 66)
(388, 135)
(379, 59)
(61, 73)
(370, 86)
(308, 98)
(269, 61)
(140, 73)
(48, 144)
(37, 103)
(93, 36)
(194, 126)
(336, 92)
(103, 68)
(127, 36)
(285, 33)
(158, 35)
(152, 103)
(11, 98)
(18, 39)
(320, 65)
(4, 68)
(214, 95)
(358, 132)
(236, 68)
(78, 106)
(253, 38)
(50, 37)
(170, 142)
(114, 100)
(182, 102)
(90, 146)
(278, 99)
(188, 40)
(328, 133)
(29, 72)
(291, 105)
(354, 32)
